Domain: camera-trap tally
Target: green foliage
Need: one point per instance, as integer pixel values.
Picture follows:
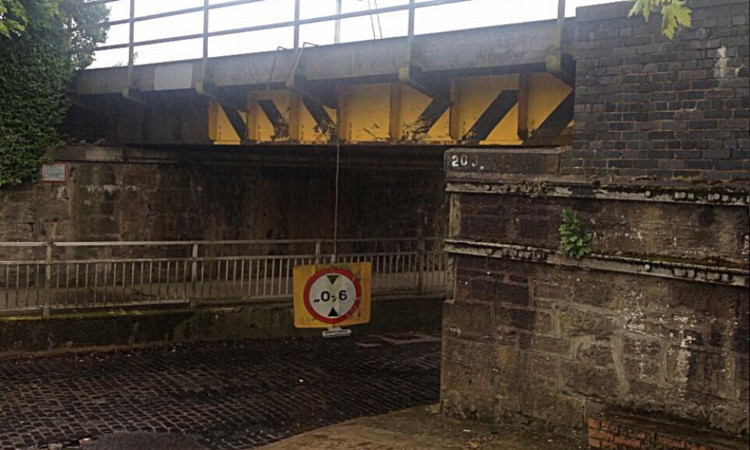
(674, 13)
(38, 56)
(573, 242)
(84, 35)
(13, 18)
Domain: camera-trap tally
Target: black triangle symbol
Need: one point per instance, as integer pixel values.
(332, 278)
(333, 313)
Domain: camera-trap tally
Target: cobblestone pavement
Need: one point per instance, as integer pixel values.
(221, 395)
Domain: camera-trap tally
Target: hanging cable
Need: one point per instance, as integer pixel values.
(336, 196)
(377, 16)
(372, 20)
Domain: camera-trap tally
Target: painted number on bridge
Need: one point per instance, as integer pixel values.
(328, 295)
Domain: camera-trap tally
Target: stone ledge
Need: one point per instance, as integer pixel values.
(726, 276)
(551, 187)
(374, 157)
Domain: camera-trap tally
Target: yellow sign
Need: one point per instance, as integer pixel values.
(327, 295)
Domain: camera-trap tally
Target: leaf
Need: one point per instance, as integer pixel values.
(642, 7)
(674, 14)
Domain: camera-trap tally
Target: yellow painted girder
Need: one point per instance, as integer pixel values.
(507, 110)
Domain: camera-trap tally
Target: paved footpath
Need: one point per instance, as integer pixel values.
(215, 395)
(421, 428)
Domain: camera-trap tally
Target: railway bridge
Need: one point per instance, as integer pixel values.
(497, 86)
(583, 183)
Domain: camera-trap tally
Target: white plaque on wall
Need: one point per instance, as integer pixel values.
(54, 173)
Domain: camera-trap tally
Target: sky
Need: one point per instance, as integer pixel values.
(456, 16)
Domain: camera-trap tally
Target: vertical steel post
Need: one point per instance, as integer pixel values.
(131, 40)
(337, 29)
(421, 269)
(204, 62)
(410, 31)
(318, 252)
(47, 279)
(412, 11)
(194, 265)
(194, 273)
(560, 22)
(296, 23)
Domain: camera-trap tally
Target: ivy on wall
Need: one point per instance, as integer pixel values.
(42, 43)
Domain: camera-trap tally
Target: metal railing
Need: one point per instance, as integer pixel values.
(205, 35)
(38, 276)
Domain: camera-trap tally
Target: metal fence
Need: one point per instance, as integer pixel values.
(411, 7)
(78, 275)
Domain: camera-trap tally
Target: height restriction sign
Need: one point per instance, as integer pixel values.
(327, 295)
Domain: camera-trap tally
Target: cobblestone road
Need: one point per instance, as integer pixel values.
(233, 395)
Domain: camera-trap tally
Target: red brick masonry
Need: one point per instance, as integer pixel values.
(614, 434)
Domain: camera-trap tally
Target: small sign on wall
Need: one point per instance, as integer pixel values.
(54, 173)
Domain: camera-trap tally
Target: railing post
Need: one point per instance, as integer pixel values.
(318, 252)
(421, 269)
(296, 23)
(47, 279)
(131, 41)
(194, 273)
(337, 29)
(204, 60)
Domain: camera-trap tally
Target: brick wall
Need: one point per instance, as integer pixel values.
(626, 434)
(650, 107)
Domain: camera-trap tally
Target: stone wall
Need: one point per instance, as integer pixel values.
(129, 194)
(650, 107)
(655, 320)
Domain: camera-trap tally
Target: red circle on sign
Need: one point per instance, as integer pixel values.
(321, 273)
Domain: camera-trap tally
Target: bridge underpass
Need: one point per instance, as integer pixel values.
(653, 316)
(295, 143)
(245, 148)
(384, 111)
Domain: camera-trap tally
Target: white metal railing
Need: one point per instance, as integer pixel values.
(39, 276)
(294, 24)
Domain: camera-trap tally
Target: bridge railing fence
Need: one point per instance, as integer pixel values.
(411, 7)
(40, 276)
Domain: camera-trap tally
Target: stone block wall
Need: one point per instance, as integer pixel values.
(655, 320)
(650, 107)
(654, 323)
(115, 194)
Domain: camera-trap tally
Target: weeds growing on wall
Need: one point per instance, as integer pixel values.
(574, 243)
